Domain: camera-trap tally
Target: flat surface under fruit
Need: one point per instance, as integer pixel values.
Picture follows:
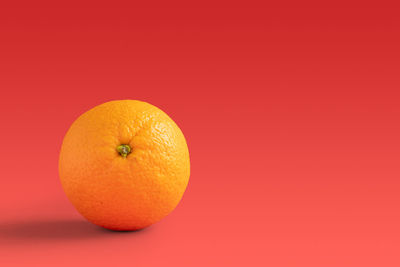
(291, 115)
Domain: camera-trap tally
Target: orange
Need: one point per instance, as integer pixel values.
(124, 165)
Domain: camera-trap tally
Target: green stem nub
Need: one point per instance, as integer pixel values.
(124, 150)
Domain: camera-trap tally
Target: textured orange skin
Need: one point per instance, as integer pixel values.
(124, 193)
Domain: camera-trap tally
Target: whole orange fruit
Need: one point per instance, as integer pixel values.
(124, 164)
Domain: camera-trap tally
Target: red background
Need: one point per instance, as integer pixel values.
(291, 114)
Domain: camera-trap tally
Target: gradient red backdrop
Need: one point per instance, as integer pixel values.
(291, 114)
